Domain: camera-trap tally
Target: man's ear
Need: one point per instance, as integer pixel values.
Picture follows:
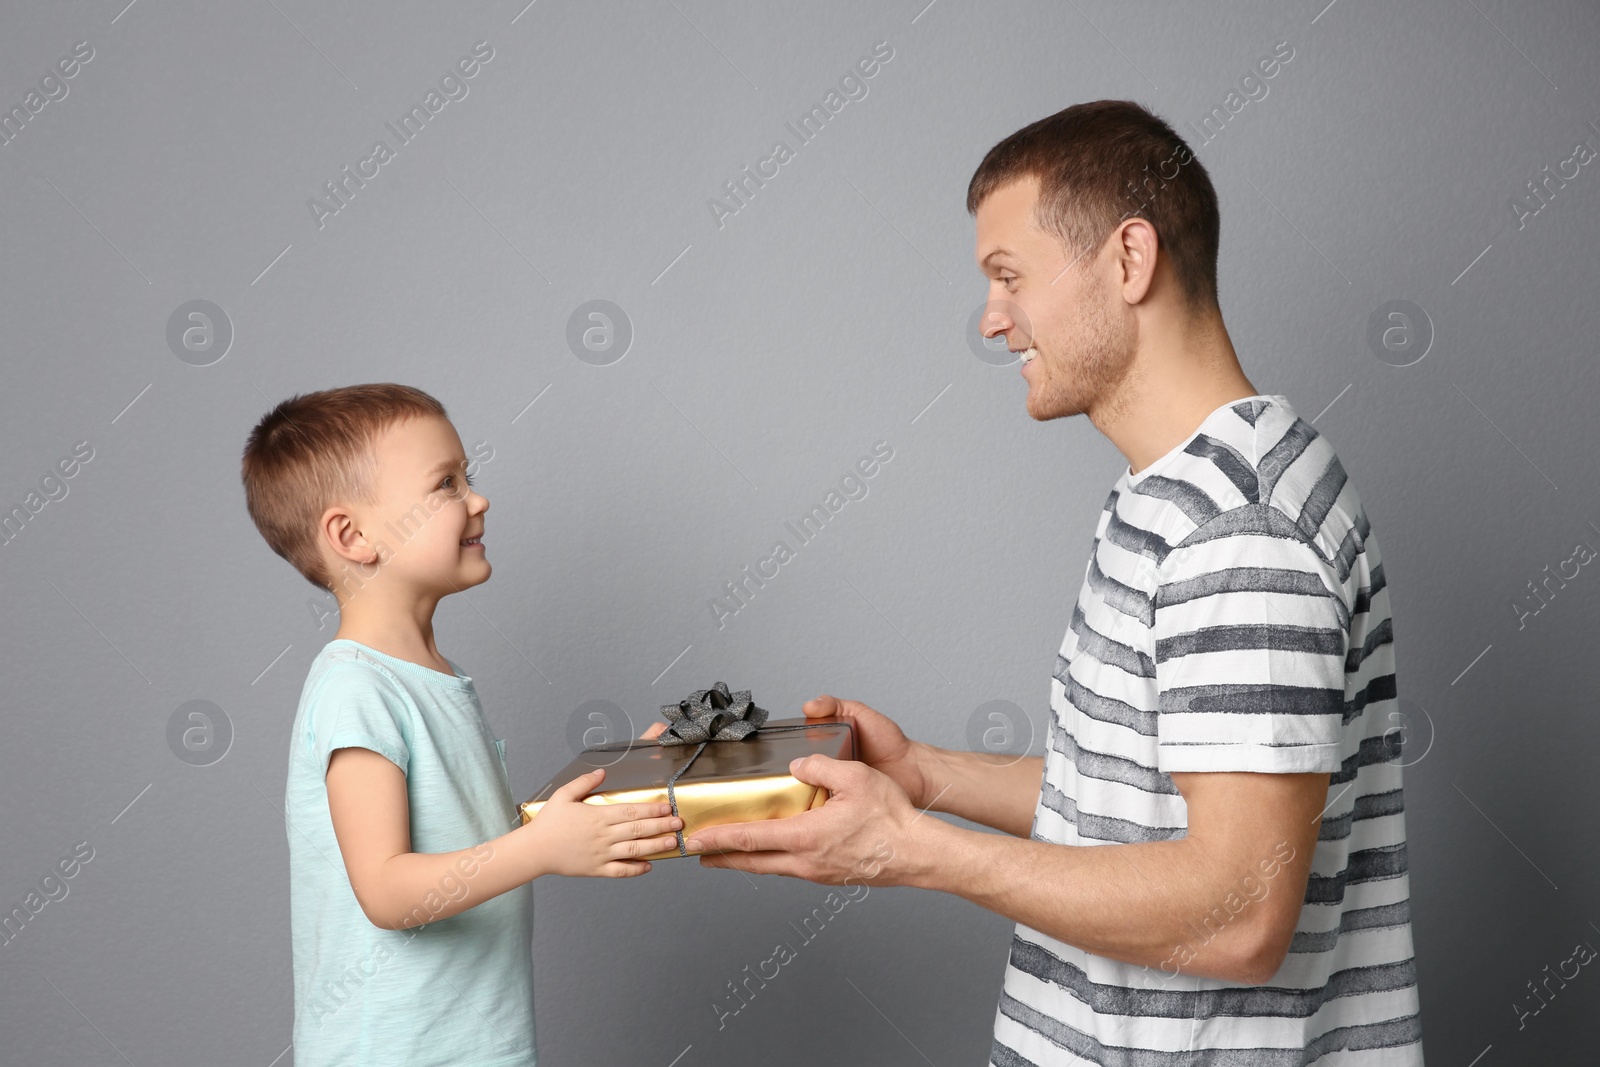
(1138, 250)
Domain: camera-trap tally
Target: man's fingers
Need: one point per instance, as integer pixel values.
(822, 707)
(832, 774)
(826, 706)
(580, 786)
(744, 836)
(757, 863)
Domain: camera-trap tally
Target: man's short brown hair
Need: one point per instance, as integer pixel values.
(1101, 162)
(315, 450)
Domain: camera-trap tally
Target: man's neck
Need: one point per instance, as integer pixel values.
(1177, 379)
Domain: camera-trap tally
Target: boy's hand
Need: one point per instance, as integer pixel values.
(597, 840)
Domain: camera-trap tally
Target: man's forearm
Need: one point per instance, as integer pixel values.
(997, 791)
(1163, 904)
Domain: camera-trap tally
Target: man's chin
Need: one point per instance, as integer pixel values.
(1042, 409)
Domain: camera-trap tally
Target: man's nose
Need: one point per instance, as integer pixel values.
(995, 321)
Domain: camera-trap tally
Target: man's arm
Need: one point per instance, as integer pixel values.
(399, 888)
(997, 791)
(1222, 901)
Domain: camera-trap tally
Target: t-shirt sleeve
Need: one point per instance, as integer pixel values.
(1251, 635)
(356, 706)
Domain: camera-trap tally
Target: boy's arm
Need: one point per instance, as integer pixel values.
(399, 888)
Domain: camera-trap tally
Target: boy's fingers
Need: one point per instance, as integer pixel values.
(615, 813)
(631, 831)
(625, 868)
(633, 848)
(580, 786)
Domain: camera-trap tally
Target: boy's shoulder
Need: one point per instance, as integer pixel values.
(339, 656)
(351, 695)
(343, 671)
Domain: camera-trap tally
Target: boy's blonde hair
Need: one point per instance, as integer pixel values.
(315, 450)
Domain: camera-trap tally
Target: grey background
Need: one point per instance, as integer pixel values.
(768, 355)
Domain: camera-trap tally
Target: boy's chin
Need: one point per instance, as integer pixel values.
(476, 575)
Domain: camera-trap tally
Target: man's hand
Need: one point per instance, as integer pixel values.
(596, 840)
(880, 743)
(861, 831)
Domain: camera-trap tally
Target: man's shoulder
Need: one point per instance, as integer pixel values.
(1257, 467)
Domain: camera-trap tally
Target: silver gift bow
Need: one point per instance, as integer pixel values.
(713, 714)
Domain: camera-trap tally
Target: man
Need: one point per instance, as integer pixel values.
(1213, 870)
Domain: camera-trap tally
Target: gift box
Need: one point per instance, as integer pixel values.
(719, 762)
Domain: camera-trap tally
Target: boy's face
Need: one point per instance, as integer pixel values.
(426, 524)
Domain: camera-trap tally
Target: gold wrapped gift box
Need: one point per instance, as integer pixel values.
(729, 781)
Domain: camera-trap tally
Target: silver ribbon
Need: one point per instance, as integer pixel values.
(702, 717)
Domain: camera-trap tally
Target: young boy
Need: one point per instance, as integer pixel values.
(409, 873)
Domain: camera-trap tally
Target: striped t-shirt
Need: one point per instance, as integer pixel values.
(1233, 617)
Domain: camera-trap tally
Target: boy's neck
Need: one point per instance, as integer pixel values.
(402, 631)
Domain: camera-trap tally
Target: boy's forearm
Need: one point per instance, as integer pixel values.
(423, 887)
(997, 791)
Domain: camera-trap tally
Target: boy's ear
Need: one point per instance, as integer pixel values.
(339, 536)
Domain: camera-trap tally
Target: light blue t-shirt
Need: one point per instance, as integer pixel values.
(456, 991)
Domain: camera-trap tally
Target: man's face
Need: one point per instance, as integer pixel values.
(1076, 336)
(425, 512)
